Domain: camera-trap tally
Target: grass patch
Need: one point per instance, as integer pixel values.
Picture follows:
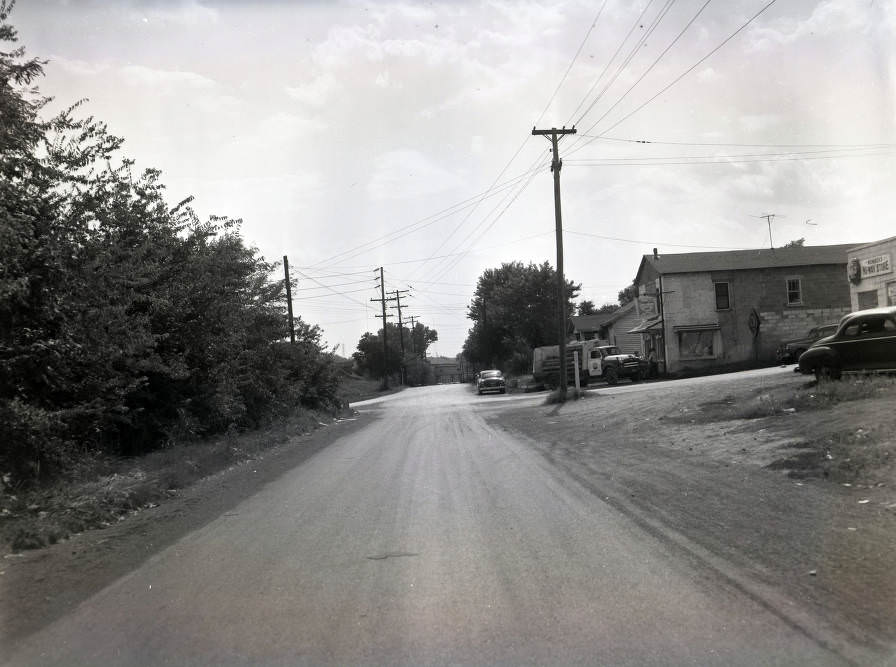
(103, 490)
(777, 401)
(844, 457)
(354, 388)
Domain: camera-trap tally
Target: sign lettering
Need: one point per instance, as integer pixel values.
(876, 266)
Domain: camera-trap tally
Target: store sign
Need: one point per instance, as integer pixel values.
(876, 266)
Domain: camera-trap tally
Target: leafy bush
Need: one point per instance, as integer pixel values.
(125, 323)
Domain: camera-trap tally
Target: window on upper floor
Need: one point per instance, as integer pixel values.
(794, 292)
(723, 296)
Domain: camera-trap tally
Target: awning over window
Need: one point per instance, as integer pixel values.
(650, 324)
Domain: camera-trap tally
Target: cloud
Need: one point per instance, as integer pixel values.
(407, 173)
(708, 75)
(189, 13)
(315, 92)
(827, 18)
(78, 67)
(139, 75)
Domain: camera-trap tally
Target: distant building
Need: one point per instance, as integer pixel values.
(872, 282)
(445, 370)
(588, 327)
(617, 329)
(733, 308)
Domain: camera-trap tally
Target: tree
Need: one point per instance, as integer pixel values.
(514, 309)
(369, 355)
(798, 243)
(125, 322)
(585, 307)
(630, 293)
(421, 338)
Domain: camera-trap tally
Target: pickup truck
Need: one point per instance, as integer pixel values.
(597, 361)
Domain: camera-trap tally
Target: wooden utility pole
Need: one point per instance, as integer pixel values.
(292, 331)
(397, 299)
(556, 165)
(382, 301)
(413, 320)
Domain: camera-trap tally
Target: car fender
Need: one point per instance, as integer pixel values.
(815, 357)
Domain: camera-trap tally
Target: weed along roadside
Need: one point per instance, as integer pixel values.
(776, 475)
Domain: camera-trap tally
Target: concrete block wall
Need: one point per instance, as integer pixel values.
(689, 299)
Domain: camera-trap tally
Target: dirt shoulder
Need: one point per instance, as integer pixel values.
(40, 585)
(774, 485)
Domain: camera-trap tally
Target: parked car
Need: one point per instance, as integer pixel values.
(790, 351)
(491, 381)
(864, 341)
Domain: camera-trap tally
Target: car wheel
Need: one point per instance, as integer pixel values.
(611, 376)
(504, 391)
(826, 372)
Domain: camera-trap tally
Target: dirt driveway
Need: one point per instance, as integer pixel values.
(782, 488)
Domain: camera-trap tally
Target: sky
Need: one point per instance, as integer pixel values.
(350, 136)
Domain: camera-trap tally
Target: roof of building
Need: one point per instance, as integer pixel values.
(590, 322)
(441, 361)
(738, 260)
(620, 312)
(873, 243)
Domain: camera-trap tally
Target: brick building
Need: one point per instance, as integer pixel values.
(872, 282)
(733, 308)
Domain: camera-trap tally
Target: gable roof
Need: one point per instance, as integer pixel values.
(739, 260)
(590, 322)
(620, 312)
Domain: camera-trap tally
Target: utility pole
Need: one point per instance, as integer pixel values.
(413, 321)
(397, 299)
(556, 165)
(382, 301)
(292, 331)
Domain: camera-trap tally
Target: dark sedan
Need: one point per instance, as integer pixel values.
(791, 350)
(491, 381)
(864, 341)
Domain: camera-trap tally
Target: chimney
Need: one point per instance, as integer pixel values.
(655, 256)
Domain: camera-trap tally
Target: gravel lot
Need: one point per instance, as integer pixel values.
(782, 485)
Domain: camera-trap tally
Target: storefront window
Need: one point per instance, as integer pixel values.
(696, 344)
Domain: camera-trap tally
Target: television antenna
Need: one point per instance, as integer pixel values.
(768, 218)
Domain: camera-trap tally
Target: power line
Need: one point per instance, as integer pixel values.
(652, 65)
(417, 225)
(307, 277)
(572, 62)
(460, 256)
(522, 145)
(649, 243)
(597, 162)
(682, 75)
(733, 145)
(607, 66)
(629, 57)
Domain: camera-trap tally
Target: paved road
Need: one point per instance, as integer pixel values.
(425, 537)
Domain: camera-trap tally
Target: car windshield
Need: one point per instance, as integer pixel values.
(490, 374)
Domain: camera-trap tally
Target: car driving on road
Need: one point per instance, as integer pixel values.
(864, 341)
(491, 381)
